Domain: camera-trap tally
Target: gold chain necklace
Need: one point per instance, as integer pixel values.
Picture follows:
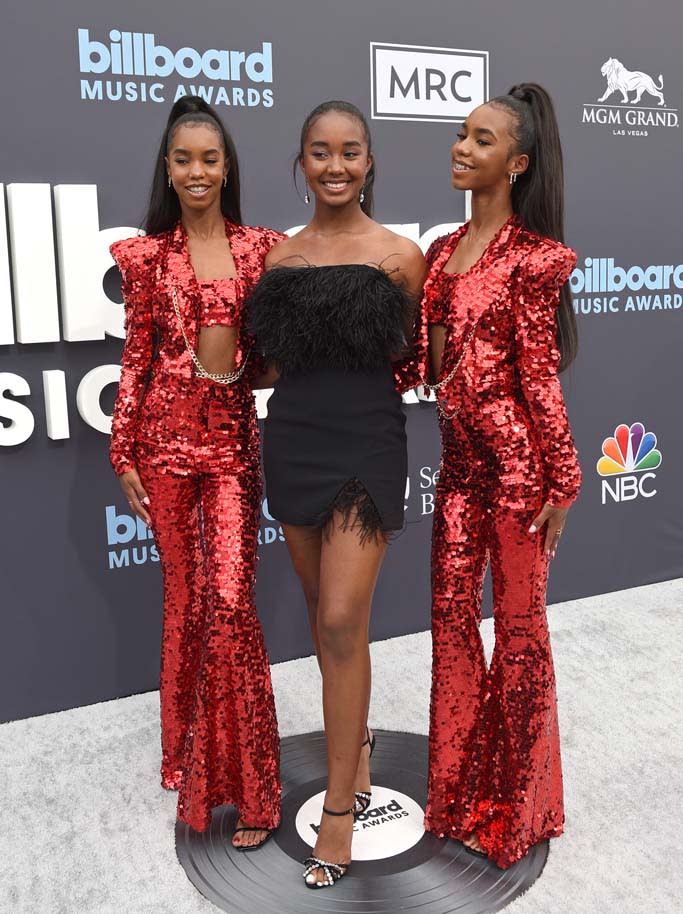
(229, 377)
(447, 380)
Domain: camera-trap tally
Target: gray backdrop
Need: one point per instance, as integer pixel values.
(76, 628)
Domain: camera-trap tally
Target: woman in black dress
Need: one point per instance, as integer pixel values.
(334, 316)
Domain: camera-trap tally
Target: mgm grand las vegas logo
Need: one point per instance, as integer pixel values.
(632, 103)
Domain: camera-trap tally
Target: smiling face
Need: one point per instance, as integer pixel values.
(197, 165)
(335, 158)
(484, 154)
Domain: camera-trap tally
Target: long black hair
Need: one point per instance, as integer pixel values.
(538, 193)
(357, 115)
(163, 210)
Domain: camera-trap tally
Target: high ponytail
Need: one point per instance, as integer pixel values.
(343, 108)
(163, 210)
(538, 193)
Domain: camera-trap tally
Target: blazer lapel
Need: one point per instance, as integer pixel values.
(180, 276)
(243, 254)
(479, 288)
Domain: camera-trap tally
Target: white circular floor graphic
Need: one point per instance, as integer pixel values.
(393, 824)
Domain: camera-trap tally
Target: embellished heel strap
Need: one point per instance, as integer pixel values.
(333, 872)
(363, 800)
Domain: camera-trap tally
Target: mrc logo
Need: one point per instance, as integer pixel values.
(412, 83)
(627, 463)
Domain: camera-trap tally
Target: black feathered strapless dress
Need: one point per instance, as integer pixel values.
(335, 433)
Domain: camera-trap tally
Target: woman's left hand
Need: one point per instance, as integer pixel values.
(554, 519)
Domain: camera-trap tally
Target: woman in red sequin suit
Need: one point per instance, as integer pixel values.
(501, 324)
(185, 446)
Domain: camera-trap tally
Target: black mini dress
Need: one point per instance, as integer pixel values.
(335, 434)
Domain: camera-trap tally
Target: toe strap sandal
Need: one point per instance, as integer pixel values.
(245, 848)
(333, 871)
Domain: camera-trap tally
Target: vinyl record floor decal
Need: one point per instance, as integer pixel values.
(397, 866)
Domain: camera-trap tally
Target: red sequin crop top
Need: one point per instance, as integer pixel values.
(219, 303)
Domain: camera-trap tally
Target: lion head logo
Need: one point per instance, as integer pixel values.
(619, 79)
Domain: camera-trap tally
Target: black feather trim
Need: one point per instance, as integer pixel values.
(349, 316)
(357, 512)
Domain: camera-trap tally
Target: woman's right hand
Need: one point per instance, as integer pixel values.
(136, 495)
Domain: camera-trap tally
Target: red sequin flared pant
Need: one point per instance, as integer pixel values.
(219, 731)
(494, 745)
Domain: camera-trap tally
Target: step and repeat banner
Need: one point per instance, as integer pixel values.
(87, 90)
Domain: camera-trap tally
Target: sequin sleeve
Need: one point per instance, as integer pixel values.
(410, 369)
(266, 239)
(136, 360)
(434, 305)
(536, 299)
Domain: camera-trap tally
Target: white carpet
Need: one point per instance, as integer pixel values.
(86, 829)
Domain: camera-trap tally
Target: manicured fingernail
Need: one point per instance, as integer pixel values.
(145, 500)
(532, 529)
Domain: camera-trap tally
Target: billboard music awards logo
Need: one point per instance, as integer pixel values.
(625, 89)
(601, 286)
(130, 67)
(628, 459)
(412, 83)
(128, 539)
(393, 824)
(131, 542)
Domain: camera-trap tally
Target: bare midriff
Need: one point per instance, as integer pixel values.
(218, 325)
(217, 348)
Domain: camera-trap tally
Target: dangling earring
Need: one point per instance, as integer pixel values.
(307, 196)
(513, 177)
(361, 196)
(225, 180)
(169, 180)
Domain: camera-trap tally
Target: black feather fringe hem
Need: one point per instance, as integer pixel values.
(357, 511)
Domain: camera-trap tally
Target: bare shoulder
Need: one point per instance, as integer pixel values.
(401, 255)
(284, 250)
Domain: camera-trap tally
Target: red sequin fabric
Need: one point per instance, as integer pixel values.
(195, 445)
(220, 305)
(494, 739)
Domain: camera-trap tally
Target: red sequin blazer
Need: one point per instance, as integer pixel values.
(151, 267)
(512, 294)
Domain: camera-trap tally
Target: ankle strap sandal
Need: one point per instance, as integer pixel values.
(333, 871)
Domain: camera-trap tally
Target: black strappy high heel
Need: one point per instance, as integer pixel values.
(364, 799)
(333, 871)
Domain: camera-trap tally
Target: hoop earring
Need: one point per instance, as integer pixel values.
(513, 177)
(307, 196)
(361, 195)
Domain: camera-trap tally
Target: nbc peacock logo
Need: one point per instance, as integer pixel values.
(628, 460)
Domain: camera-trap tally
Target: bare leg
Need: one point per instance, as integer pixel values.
(348, 574)
(305, 550)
